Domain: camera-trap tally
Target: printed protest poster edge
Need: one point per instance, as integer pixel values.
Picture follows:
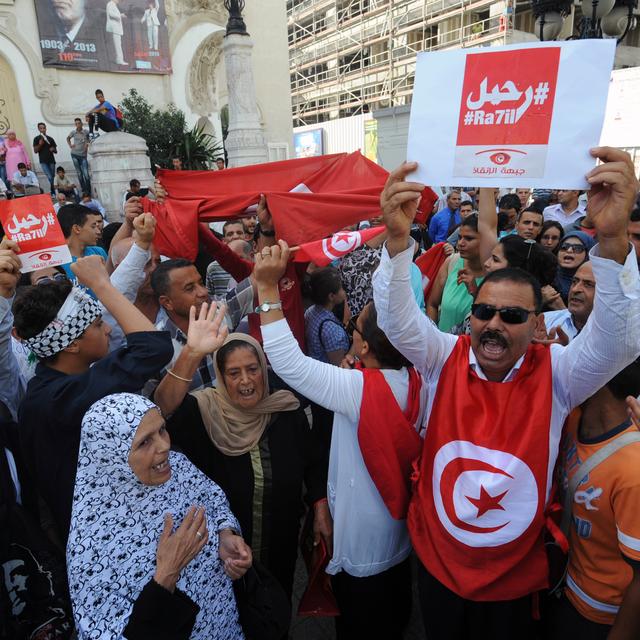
(564, 169)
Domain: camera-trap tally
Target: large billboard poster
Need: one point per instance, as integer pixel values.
(104, 35)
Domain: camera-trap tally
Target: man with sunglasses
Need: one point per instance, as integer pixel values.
(482, 483)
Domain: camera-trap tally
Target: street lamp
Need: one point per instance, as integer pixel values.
(235, 24)
(600, 18)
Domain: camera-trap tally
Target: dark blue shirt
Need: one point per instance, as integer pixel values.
(110, 110)
(442, 222)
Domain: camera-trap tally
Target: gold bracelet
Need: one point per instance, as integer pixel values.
(175, 375)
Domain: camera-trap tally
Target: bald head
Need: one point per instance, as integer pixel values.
(241, 248)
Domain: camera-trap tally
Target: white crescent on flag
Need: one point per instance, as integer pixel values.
(339, 244)
(483, 497)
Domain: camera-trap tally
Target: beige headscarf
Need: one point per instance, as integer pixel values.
(234, 430)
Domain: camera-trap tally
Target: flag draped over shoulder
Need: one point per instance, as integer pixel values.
(309, 198)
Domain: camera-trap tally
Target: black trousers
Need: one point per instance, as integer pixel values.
(447, 616)
(565, 622)
(376, 607)
(100, 121)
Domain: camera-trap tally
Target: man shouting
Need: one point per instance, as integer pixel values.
(496, 409)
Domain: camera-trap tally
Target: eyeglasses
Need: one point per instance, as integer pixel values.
(509, 315)
(572, 248)
(57, 277)
(352, 325)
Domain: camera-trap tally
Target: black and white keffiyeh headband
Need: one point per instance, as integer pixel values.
(75, 315)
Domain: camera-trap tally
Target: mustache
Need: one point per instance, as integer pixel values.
(489, 335)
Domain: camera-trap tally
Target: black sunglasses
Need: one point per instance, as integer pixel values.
(509, 315)
(352, 326)
(572, 248)
(57, 277)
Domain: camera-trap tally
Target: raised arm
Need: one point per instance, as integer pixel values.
(232, 263)
(129, 275)
(12, 386)
(435, 295)
(336, 389)
(207, 333)
(487, 222)
(611, 338)
(399, 316)
(91, 273)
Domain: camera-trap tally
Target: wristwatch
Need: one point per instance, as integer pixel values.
(267, 306)
(264, 232)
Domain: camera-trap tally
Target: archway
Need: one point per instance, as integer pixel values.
(11, 113)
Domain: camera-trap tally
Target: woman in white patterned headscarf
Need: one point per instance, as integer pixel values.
(125, 570)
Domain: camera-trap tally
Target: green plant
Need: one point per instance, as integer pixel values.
(198, 149)
(162, 129)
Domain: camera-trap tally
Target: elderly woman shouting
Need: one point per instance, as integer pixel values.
(130, 572)
(255, 443)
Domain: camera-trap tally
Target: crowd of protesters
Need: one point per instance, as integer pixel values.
(167, 425)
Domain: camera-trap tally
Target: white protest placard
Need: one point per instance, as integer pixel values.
(516, 116)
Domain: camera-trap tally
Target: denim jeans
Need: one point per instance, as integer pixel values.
(82, 169)
(49, 171)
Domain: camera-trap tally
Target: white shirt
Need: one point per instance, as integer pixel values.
(28, 180)
(561, 319)
(556, 212)
(366, 539)
(150, 17)
(127, 278)
(608, 343)
(71, 35)
(114, 19)
(3, 187)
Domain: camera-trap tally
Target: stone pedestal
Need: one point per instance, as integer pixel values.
(245, 143)
(115, 159)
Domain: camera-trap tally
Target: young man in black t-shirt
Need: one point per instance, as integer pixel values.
(46, 148)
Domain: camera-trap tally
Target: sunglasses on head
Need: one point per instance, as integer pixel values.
(508, 315)
(57, 277)
(572, 248)
(351, 325)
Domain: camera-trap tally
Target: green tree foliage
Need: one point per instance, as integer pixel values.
(166, 134)
(163, 129)
(198, 149)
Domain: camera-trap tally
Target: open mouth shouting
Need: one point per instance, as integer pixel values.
(493, 344)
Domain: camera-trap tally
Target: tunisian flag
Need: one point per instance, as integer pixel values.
(323, 252)
(477, 513)
(309, 198)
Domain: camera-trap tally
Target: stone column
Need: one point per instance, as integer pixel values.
(245, 143)
(115, 159)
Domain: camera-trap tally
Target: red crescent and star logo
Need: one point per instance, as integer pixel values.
(483, 497)
(341, 243)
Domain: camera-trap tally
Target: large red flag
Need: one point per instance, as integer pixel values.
(309, 198)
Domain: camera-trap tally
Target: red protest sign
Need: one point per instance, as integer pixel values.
(32, 223)
(506, 112)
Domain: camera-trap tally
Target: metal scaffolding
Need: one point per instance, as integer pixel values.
(350, 56)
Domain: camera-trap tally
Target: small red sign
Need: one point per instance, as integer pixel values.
(32, 222)
(508, 98)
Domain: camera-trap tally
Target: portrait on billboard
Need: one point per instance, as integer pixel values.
(104, 35)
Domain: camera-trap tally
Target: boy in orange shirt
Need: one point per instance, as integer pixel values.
(602, 594)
